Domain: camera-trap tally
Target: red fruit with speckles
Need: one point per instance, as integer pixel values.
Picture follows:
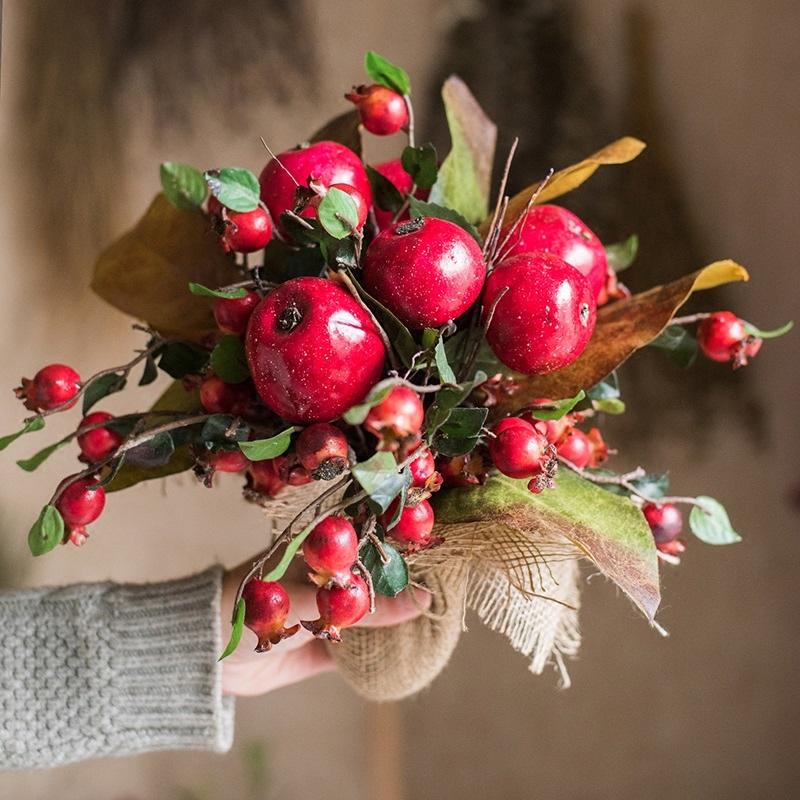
(233, 314)
(414, 526)
(518, 450)
(393, 172)
(265, 477)
(327, 163)
(555, 230)
(218, 397)
(322, 450)
(423, 471)
(98, 443)
(720, 335)
(81, 503)
(51, 387)
(426, 271)
(228, 461)
(362, 208)
(576, 448)
(245, 231)
(665, 521)
(382, 110)
(331, 549)
(313, 351)
(339, 607)
(397, 416)
(266, 606)
(545, 318)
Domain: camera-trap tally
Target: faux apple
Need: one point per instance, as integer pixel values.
(313, 351)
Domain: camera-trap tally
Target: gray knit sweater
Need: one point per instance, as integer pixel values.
(111, 669)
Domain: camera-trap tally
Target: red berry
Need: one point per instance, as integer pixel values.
(415, 523)
(665, 521)
(720, 334)
(339, 607)
(398, 416)
(312, 350)
(327, 163)
(228, 461)
(322, 450)
(246, 231)
(511, 422)
(597, 447)
(545, 319)
(423, 469)
(98, 443)
(218, 397)
(331, 549)
(426, 271)
(383, 111)
(81, 503)
(362, 208)
(265, 478)
(266, 606)
(233, 314)
(518, 450)
(555, 230)
(51, 387)
(576, 448)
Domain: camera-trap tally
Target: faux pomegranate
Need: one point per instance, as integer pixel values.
(396, 418)
(576, 448)
(665, 521)
(382, 110)
(245, 231)
(81, 503)
(426, 271)
(331, 549)
(322, 450)
(313, 351)
(720, 335)
(415, 524)
(52, 386)
(266, 606)
(362, 208)
(517, 449)
(232, 314)
(546, 316)
(98, 443)
(556, 230)
(339, 607)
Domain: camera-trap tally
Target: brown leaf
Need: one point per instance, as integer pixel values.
(345, 129)
(565, 180)
(146, 272)
(622, 328)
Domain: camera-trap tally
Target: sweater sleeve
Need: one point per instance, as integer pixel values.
(111, 669)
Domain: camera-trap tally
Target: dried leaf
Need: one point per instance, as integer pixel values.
(565, 180)
(622, 328)
(146, 271)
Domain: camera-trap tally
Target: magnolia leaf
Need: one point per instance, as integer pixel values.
(263, 449)
(622, 328)
(32, 425)
(102, 387)
(179, 359)
(338, 213)
(465, 175)
(605, 528)
(47, 531)
(622, 254)
(387, 579)
(223, 294)
(228, 360)
(382, 71)
(565, 180)
(235, 188)
(145, 272)
(419, 208)
(379, 478)
(183, 186)
(344, 129)
(223, 430)
(355, 415)
(150, 371)
(773, 334)
(236, 630)
(559, 408)
(421, 164)
(709, 522)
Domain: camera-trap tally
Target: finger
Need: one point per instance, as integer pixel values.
(395, 610)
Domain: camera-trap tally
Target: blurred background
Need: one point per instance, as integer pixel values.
(95, 93)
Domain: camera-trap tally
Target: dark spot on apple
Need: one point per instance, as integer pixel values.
(409, 227)
(290, 318)
(584, 314)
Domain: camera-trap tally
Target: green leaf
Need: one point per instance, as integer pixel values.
(229, 361)
(32, 425)
(419, 208)
(387, 579)
(355, 415)
(421, 163)
(678, 343)
(183, 186)
(613, 405)
(430, 336)
(622, 254)
(446, 374)
(446, 400)
(155, 452)
(461, 432)
(773, 334)
(606, 389)
(102, 387)
(236, 630)
(223, 430)
(338, 213)
(36, 460)
(150, 371)
(179, 359)
(47, 531)
(263, 449)
(559, 408)
(234, 187)
(609, 530)
(382, 71)
(223, 294)
(710, 523)
(379, 478)
(385, 194)
(465, 175)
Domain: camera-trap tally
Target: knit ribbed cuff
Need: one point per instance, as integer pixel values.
(164, 642)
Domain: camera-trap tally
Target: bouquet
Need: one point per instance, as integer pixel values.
(413, 382)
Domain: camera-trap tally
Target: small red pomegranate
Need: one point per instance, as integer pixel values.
(362, 207)
(245, 231)
(517, 449)
(327, 163)
(396, 418)
(266, 607)
(426, 271)
(556, 230)
(322, 450)
(331, 549)
(339, 607)
(576, 448)
(218, 397)
(98, 443)
(382, 110)
(265, 477)
(313, 351)
(414, 526)
(722, 336)
(52, 386)
(80, 504)
(545, 318)
(232, 314)
(228, 461)
(423, 472)
(665, 521)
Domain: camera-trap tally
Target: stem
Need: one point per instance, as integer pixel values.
(496, 219)
(410, 108)
(280, 163)
(689, 320)
(471, 361)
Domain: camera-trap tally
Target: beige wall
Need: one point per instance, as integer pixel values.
(710, 712)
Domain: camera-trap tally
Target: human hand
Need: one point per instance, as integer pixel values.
(301, 656)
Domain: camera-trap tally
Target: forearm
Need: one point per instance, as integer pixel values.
(107, 669)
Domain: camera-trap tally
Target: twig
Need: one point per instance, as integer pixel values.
(487, 322)
(500, 195)
(280, 163)
(689, 320)
(410, 108)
